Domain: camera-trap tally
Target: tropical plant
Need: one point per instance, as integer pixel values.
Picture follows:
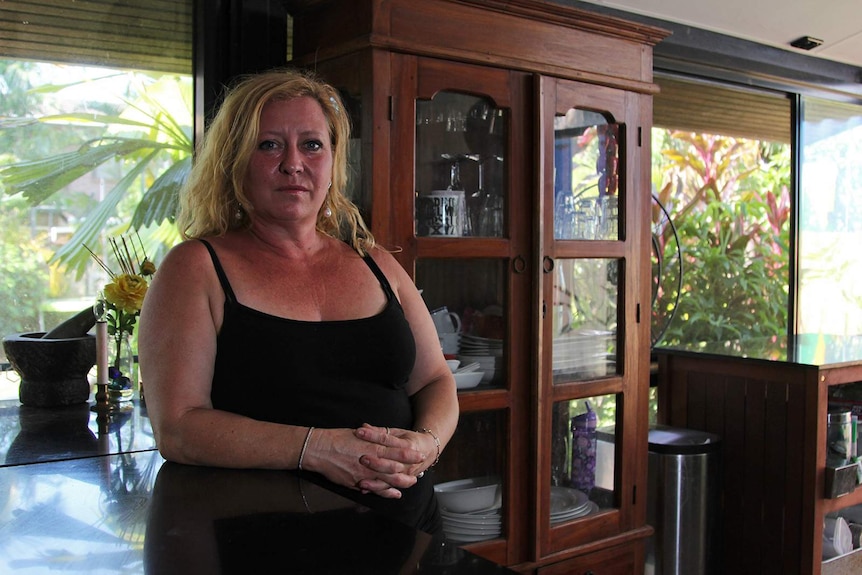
(729, 199)
(24, 278)
(148, 134)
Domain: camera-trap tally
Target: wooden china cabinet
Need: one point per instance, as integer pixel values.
(502, 149)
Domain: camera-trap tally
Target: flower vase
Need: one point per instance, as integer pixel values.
(122, 376)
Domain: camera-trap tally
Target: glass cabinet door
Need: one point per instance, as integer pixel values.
(588, 301)
(467, 242)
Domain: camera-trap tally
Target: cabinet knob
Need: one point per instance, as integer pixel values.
(519, 264)
(547, 264)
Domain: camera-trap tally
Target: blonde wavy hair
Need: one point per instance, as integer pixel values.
(213, 194)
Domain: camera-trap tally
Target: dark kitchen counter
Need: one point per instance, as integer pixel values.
(80, 493)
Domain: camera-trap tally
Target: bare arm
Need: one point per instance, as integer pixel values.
(431, 387)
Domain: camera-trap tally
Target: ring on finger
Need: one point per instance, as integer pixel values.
(421, 475)
(387, 431)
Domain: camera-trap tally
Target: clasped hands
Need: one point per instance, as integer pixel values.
(371, 459)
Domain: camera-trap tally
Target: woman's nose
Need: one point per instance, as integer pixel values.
(290, 162)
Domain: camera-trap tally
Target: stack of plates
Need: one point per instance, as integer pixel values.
(582, 352)
(568, 504)
(474, 525)
(475, 345)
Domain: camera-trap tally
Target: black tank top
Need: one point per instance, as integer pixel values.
(322, 374)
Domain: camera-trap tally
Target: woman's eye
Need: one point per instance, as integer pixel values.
(267, 145)
(314, 145)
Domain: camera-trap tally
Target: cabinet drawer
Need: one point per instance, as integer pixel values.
(613, 561)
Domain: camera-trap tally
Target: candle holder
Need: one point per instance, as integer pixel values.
(103, 404)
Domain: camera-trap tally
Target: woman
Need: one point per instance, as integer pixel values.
(279, 336)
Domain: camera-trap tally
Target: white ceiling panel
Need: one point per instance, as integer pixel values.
(772, 22)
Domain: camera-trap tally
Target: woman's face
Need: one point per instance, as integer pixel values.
(291, 166)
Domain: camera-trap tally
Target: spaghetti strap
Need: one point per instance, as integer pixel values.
(369, 261)
(222, 277)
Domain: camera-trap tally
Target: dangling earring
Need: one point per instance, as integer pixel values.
(327, 212)
(238, 214)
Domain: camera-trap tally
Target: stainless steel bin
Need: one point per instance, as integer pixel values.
(684, 502)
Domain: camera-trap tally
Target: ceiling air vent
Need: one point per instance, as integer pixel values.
(806, 43)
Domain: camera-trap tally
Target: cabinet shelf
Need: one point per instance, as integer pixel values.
(485, 399)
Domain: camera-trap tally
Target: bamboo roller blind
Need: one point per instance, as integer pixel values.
(710, 108)
(153, 35)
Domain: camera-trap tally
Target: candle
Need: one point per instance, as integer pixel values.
(101, 353)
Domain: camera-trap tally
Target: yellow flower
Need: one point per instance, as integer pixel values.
(127, 292)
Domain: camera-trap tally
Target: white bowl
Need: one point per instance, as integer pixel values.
(453, 364)
(468, 379)
(466, 495)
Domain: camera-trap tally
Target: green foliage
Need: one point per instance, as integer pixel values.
(148, 137)
(729, 200)
(23, 272)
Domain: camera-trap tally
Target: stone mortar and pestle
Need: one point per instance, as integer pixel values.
(53, 366)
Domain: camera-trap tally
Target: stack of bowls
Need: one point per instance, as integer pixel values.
(470, 508)
(467, 376)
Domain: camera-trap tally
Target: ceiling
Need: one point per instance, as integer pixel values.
(771, 22)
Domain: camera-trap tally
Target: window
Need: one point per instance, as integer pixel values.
(830, 218)
(96, 135)
(721, 212)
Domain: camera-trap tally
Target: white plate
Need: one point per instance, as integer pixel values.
(589, 509)
(567, 500)
(451, 529)
(490, 519)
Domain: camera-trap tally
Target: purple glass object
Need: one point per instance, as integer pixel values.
(584, 450)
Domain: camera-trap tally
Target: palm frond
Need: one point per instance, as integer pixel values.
(162, 198)
(73, 254)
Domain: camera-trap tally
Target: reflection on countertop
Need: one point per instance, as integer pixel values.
(135, 513)
(808, 349)
(40, 434)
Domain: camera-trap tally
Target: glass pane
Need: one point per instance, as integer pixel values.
(582, 457)
(830, 220)
(586, 175)
(461, 186)
(585, 308)
(466, 300)
(468, 479)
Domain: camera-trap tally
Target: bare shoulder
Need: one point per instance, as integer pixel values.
(391, 268)
(185, 263)
(189, 252)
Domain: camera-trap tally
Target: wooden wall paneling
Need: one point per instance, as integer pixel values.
(793, 472)
(733, 435)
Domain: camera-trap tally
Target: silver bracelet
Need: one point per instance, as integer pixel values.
(304, 446)
(436, 440)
